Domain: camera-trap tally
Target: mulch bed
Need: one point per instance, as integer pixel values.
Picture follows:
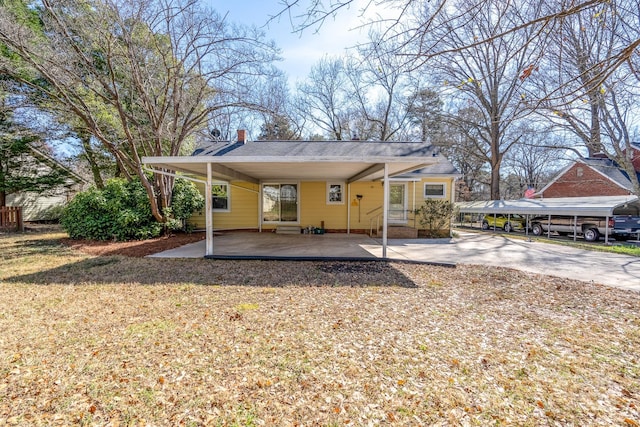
(135, 248)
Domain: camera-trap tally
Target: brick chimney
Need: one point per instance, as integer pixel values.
(242, 136)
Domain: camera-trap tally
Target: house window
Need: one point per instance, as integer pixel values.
(280, 202)
(220, 197)
(335, 193)
(579, 172)
(435, 191)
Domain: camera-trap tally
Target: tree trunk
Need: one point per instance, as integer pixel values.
(3, 198)
(495, 182)
(496, 155)
(594, 145)
(90, 155)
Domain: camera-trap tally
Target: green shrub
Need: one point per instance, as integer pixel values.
(186, 200)
(121, 212)
(435, 217)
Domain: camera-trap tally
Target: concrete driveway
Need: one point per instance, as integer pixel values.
(621, 271)
(467, 248)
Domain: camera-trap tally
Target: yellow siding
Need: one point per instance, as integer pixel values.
(365, 211)
(449, 183)
(243, 213)
(313, 206)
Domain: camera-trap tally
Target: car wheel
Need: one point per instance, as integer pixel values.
(591, 235)
(537, 230)
(508, 228)
(485, 225)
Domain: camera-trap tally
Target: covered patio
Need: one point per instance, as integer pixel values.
(345, 161)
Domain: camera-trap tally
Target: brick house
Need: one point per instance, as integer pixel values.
(591, 177)
(635, 158)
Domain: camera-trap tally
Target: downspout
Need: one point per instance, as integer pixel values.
(385, 209)
(209, 215)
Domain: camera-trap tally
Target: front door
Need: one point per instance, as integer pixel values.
(397, 202)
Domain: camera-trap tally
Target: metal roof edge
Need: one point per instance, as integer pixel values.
(581, 206)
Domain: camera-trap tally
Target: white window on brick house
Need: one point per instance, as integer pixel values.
(579, 172)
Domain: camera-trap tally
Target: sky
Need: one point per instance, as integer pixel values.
(299, 51)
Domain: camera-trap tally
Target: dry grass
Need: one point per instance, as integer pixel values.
(124, 341)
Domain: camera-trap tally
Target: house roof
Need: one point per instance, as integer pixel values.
(312, 160)
(581, 206)
(604, 166)
(445, 168)
(54, 163)
(611, 170)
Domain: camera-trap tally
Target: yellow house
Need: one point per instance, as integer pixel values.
(313, 186)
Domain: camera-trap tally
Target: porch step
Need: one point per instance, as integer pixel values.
(288, 229)
(401, 232)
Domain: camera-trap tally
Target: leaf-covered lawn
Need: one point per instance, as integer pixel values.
(198, 342)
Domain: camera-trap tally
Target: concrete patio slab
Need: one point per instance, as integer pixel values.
(278, 245)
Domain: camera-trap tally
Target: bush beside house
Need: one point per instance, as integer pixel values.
(121, 211)
(435, 218)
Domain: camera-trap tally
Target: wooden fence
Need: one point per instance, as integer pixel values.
(11, 218)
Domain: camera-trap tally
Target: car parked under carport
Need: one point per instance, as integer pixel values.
(508, 223)
(605, 207)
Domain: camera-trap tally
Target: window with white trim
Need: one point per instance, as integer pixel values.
(220, 197)
(335, 193)
(434, 190)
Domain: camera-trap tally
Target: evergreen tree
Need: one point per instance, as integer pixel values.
(24, 164)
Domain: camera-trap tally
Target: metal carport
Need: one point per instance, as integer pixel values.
(600, 206)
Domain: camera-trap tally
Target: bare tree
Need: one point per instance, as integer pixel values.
(380, 83)
(460, 143)
(536, 159)
(583, 90)
(278, 119)
(324, 99)
(142, 76)
(487, 75)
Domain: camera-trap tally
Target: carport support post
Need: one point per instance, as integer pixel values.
(209, 213)
(385, 209)
(575, 227)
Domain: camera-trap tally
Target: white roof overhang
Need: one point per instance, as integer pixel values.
(601, 206)
(264, 168)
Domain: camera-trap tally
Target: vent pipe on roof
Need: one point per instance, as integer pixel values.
(242, 136)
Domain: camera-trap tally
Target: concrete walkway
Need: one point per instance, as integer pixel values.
(468, 248)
